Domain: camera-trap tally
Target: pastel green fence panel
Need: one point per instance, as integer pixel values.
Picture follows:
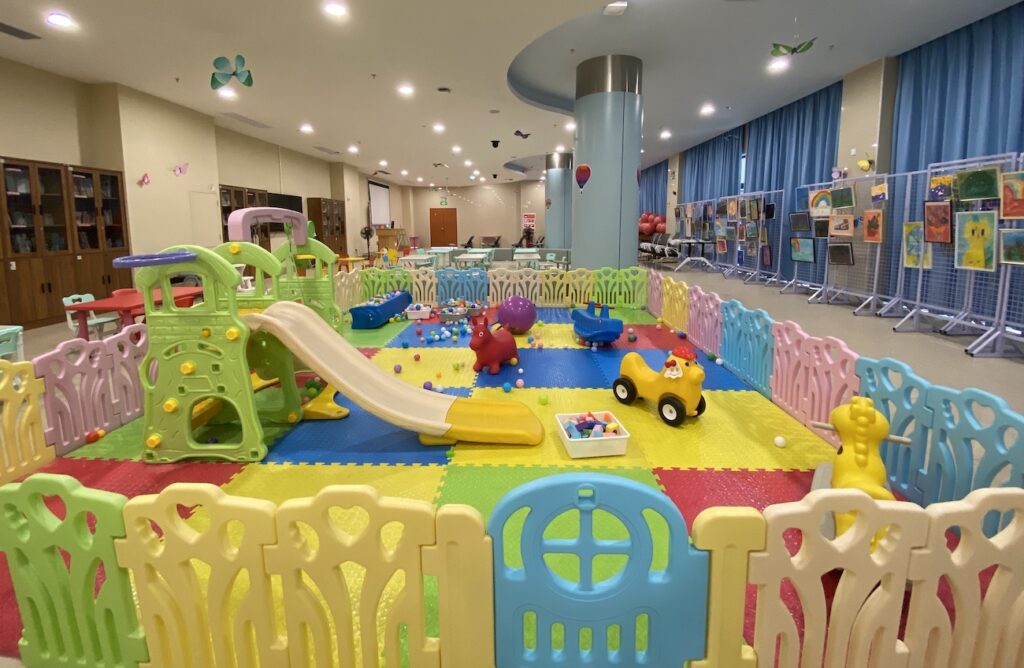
(75, 601)
(631, 287)
(397, 279)
(372, 282)
(606, 285)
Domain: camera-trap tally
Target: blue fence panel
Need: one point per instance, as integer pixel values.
(471, 284)
(549, 606)
(747, 347)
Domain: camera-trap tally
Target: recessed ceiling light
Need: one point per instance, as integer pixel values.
(482, 179)
(438, 128)
(666, 134)
(306, 129)
(405, 172)
(456, 149)
(543, 178)
(431, 185)
(419, 179)
(778, 65)
(383, 163)
(560, 148)
(227, 93)
(707, 109)
(641, 150)
(353, 149)
(476, 172)
(335, 9)
(60, 20)
(406, 90)
(468, 163)
(617, 8)
(472, 177)
(570, 126)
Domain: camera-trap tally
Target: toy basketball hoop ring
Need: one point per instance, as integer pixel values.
(154, 259)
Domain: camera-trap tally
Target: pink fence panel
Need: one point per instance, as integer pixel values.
(705, 329)
(787, 367)
(127, 348)
(654, 303)
(79, 397)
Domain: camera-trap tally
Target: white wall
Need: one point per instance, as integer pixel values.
(40, 114)
(483, 210)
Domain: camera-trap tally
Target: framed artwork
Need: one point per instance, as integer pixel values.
(752, 231)
(741, 232)
(841, 254)
(751, 246)
(879, 193)
(988, 205)
(842, 198)
(722, 208)
(801, 249)
(732, 208)
(764, 234)
(754, 209)
(840, 225)
(720, 227)
(819, 203)
(766, 256)
(1011, 246)
(743, 210)
(940, 187)
(974, 184)
(938, 222)
(769, 211)
(730, 232)
(975, 240)
(722, 246)
(916, 253)
(821, 228)
(799, 221)
(873, 221)
(1013, 196)
(705, 230)
(709, 212)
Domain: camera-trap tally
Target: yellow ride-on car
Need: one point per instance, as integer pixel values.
(677, 387)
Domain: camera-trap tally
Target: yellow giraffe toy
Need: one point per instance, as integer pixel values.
(858, 463)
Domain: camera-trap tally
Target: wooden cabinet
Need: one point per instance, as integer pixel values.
(116, 279)
(98, 214)
(233, 198)
(328, 216)
(35, 288)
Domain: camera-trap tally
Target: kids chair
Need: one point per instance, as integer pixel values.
(137, 312)
(96, 323)
(549, 261)
(11, 343)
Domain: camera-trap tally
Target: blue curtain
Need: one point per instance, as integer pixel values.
(653, 187)
(962, 95)
(792, 146)
(712, 169)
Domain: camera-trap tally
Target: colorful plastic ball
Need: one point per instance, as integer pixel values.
(93, 436)
(646, 228)
(632, 338)
(719, 361)
(507, 387)
(540, 323)
(422, 340)
(419, 330)
(631, 331)
(542, 400)
(312, 392)
(405, 344)
(593, 348)
(513, 361)
(101, 432)
(517, 314)
(780, 441)
(660, 320)
(416, 357)
(398, 368)
(540, 346)
(520, 383)
(427, 385)
(681, 334)
(438, 375)
(439, 388)
(657, 327)
(529, 339)
(520, 369)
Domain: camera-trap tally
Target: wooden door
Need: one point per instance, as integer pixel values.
(26, 289)
(116, 278)
(90, 270)
(444, 227)
(60, 282)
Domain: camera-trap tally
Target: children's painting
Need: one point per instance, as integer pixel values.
(732, 208)
(743, 210)
(741, 232)
(873, 221)
(799, 221)
(769, 211)
(840, 254)
(974, 184)
(916, 253)
(720, 227)
(1011, 246)
(764, 234)
(940, 187)
(975, 240)
(819, 203)
(730, 232)
(801, 249)
(840, 225)
(938, 223)
(722, 246)
(766, 256)
(1013, 196)
(821, 228)
(879, 193)
(754, 209)
(752, 231)
(722, 208)
(842, 198)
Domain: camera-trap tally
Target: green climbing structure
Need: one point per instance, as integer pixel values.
(315, 286)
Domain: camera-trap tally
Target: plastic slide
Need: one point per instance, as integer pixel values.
(438, 418)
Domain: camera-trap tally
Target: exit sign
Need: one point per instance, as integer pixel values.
(444, 201)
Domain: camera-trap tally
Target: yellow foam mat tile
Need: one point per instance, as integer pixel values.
(551, 451)
(736, 431)
(432, 361)
(280, 482)
(552, 336)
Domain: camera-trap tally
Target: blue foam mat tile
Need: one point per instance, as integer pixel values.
(360, 438)
(554, 316)
(549, 367)
(715, 377)
(409, 335)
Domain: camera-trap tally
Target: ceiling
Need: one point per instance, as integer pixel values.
(696, 51)
(341, 76)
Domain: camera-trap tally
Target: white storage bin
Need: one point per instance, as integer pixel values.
(606, 446)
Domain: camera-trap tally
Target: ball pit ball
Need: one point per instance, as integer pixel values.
(542, 400)
(659, 321)
(312, 392)
(456, 366)
(517, 314)
(657, 327)
(631, 331)
(419, 330)
(529, 339)
(416, 357)
(520, 370)
(593, 348)
(632, 338)
(780, 441)
(681, 334)
(94, 436)
(507, 387)
(405, 344)
(427, 385)
(712, 356)
(304, 400)
(719, 361)
(520, 383)
(398, 368)
(513, 361)
(422, 340)
(439, 388)
(540, 346)
(101, 432)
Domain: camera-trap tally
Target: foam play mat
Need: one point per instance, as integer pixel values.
(729, 455)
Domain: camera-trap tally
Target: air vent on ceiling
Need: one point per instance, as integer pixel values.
(245, 119)
(8, 29)
(382, 171)
(328, 151)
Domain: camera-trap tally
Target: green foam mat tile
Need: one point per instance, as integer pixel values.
(373, 338)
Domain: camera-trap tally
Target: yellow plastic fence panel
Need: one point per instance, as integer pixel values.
(203, 591)
(424, 286)
(579, 287)
(23, 448)
(462, 560)
(675, 303)
(989, 630)
(865, 615)
(346, 289)
(500, 285)
(552, 288)
(349, 562)
(729, 535)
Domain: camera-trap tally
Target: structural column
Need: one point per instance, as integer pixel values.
(558, 200)
(609, 115)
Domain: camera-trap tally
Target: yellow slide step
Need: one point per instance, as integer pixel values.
(482, 421)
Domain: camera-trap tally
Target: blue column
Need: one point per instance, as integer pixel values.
(558, 200)
(609, 114)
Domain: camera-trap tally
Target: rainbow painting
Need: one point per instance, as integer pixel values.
(819, 202)
(1013, 196)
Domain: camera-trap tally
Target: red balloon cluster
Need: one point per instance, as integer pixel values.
(651, 222)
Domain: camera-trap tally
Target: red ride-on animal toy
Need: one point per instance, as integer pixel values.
(677, 388)
(492, 348)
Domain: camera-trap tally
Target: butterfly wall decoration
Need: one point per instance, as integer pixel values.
(522, 135)
(181, 169)
(225, 72)
(787, 50)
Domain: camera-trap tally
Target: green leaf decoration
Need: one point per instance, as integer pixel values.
(804, 47)
(224, 72)
(239, 62)
(222, 64)
(218, 79)
(781, 49)
(245, 77)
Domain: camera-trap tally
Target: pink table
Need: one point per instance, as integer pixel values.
(124, 305)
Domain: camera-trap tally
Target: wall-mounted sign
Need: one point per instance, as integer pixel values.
(444, 201)
(529, 221)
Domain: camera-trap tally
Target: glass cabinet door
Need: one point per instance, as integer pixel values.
(112, 209)
(21, 220)
(86, 221)
(53, 209)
